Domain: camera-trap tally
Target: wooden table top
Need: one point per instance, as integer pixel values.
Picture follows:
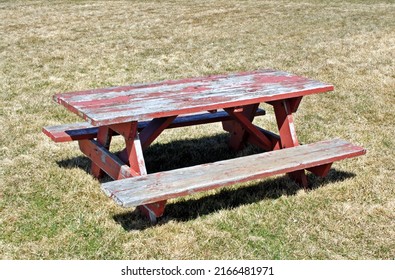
(169, 98)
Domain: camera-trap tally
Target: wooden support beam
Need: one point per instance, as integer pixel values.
(133, 154)
(238, 134)
(274, 138)
(153, 210)
(321, 170)
(154, 129)
(104, 136)
(105, 160)
(294, 103)
(246, 128)
(283, 110)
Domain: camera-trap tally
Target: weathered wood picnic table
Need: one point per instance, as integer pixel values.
(141, 112)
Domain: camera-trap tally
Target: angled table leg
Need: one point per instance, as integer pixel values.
(238, 133)
(149, 134)
(283, 110)
(249, 130)
(154, 129)
(133, 154)
(153, 210)
(105, 161)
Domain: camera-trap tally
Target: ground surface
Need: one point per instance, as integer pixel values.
(52, 209)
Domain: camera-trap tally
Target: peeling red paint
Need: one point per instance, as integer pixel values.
(186, 96)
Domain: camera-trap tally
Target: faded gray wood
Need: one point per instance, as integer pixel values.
(170, 98)
(170, 184)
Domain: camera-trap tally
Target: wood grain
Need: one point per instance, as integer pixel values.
(180, 182)
(171, 98)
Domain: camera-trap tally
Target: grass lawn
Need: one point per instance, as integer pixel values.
(51, 208)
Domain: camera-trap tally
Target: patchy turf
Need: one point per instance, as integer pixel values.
(52, 209)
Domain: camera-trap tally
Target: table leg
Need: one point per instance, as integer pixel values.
(238, 133)
(251, 131)
(153, 210)
(149, 134)
(321, 170)
(105, 161)
(283, 110)
(104, 137)
(154, 129)
(133, 154)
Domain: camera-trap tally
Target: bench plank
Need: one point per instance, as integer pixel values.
(70, 132)
(84, 130)
(160, 186)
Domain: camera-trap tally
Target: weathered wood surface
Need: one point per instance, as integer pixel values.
(71, 132)
(171, 98)
(84, 130)
(165, 185)
(104, 160)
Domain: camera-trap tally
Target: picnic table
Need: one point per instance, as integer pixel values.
(140, 113)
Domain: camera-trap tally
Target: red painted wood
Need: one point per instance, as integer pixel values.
(180, 182)
(104, 136)
(299, 177)
(70, 132)
(127, 130)
(154, 129)
(136, 157)
(294, 103)
(283, 111)
(273, 138)
(134, 152)
(169, 98)
(153, 210)
(239, 135)
(285, 123)
(247, 126)
(105, 160)
(321, 170)
(122, 109)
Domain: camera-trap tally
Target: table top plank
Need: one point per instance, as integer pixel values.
(168, 98)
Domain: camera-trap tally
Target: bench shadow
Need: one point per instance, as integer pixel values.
(189, 152)
(81, 162)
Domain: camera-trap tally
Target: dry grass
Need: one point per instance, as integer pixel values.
(52, 209)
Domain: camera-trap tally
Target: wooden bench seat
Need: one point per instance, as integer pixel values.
(161, 186)
(84, 130)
